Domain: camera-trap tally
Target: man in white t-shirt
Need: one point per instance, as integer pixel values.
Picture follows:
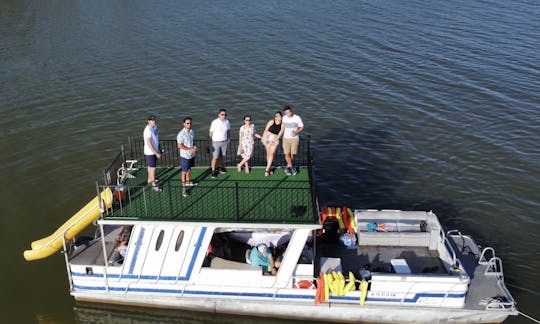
(151, 150)
(220, 131)
(293, 126)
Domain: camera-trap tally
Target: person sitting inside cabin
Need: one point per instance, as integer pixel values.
(120, 246)
(261, 256)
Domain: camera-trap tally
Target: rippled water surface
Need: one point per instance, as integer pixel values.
(410, 105)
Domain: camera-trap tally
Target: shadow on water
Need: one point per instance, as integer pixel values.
(367, 169)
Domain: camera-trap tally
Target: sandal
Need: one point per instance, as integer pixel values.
(156, 188)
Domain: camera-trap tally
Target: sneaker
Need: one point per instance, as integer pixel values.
(185, 193)
(191, 184)
(214, 173)
(288, 171)
(294, 171)
(222, 170)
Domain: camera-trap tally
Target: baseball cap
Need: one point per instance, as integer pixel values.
(263, 249)
(151, 117)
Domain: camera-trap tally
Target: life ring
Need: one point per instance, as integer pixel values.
(304, 284)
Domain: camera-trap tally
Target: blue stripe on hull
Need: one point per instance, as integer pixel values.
(265, 295)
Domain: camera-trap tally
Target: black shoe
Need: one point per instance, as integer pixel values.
(214, 173)
(222, 170)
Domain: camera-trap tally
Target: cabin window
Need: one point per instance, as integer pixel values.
(159, 240)
(179, 240)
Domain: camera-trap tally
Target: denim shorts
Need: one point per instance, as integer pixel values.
(151, 160)
(220, 149)
(187, 164)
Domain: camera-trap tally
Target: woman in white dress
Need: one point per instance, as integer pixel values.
(246, 141)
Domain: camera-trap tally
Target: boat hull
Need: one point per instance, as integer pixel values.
(329, 311)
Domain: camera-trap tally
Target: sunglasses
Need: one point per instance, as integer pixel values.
(247, 119)
(223, 114)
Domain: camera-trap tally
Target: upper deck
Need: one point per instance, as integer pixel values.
(231, 197)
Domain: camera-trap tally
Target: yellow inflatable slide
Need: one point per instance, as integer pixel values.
(46, 246)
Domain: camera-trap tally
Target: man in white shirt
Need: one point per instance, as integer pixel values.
(220, 131)
(151, 150)
(293, 126)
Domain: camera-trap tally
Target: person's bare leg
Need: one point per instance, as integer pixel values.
(152, 176)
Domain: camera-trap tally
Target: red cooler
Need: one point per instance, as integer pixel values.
(120, 193)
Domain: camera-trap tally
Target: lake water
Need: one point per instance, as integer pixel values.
(410, 105)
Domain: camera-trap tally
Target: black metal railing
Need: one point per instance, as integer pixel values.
(171, 156)
(230, 201)
(111, 172)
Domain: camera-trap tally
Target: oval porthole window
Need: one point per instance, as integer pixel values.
(179, 240)
(159, 240)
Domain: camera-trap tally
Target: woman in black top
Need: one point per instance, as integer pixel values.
(272, 133)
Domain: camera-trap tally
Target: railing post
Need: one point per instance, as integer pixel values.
(100, 202)
(130, 148)
(105, 257)
(170, 199)
(70, 277)
(122, 149)
(237, 199)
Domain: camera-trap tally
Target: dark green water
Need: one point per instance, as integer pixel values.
(410, 105)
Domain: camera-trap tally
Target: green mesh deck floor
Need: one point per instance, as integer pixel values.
(231, 197)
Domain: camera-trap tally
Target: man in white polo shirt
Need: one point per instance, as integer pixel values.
(220, 131)
(293, 126)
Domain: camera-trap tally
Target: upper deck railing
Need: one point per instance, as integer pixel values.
(254, 199)
(171, 156)
(203, 157)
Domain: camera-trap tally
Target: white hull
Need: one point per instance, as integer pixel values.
(174, 276)
(306, 311)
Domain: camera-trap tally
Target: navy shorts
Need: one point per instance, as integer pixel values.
(187, 164)
(151, 161)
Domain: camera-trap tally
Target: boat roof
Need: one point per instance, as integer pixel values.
(230, 198)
